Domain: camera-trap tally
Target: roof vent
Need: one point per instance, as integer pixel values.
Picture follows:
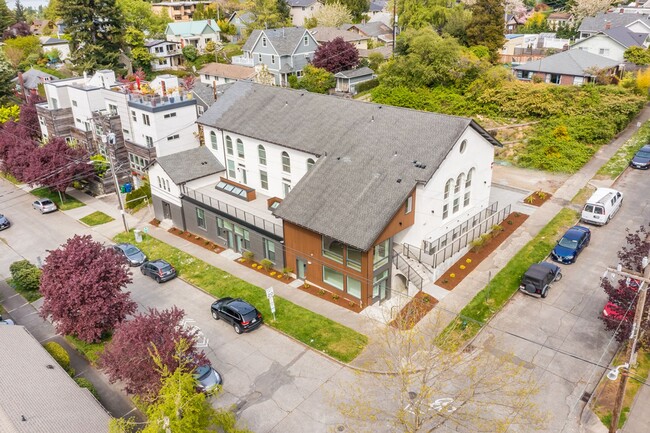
(338, 158)
(395, 154)
(372, 119)
(399, 180)
(49, 367)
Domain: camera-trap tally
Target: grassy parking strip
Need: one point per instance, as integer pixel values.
(92, 351)
(617, 164)
(505, 283)
(96, 218)
(67, 204)
(306, 326)
(9, 177)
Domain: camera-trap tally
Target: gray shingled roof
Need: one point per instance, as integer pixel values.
(373, 28)
(204, 93)
(284, 40)
(353, 73)
(33, 77)
(190, 164)
(366, 151)
(327, 34)
(599, 22)
(572, 62)
(377, 5)
(54, 41)
(625, 37)
(300, 3)
(34, 386)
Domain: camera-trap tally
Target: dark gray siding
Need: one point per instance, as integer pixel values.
(177, 212)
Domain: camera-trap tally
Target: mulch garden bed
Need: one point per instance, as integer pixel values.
(278, 275)
(331, 297)
(154, 222)
(462, 268)
(197, 240)
(538, 198)
(414, 311)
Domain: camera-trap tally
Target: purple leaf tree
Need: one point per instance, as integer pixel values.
(129, 356)
(336, 56)
(82, 285)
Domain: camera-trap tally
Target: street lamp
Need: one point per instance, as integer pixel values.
(613, 374)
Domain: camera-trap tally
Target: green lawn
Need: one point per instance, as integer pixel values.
(304, 325)
(615, 166)
(67, 204)
(30, 295)
(96, 218)
(9, 177)
(491, 299)
(92, 351)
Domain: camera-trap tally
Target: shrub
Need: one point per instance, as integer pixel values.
(60, 355)
(497, 228)
(18, 266)
(286, 271)
(248, 255)
(85, 383)
(367, 85)
(28, 279)
(137, 196)
(266, 264)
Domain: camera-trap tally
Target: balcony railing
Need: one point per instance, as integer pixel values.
(157, 100)
(243, 61)
(259, 222)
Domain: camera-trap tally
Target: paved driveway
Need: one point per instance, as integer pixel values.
(560, 338)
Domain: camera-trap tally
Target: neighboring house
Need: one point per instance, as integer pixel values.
(241, 20)
(382, 17)
(167, 54)
(328, 34)
(636, 23)
(376, 31)
(27, 82)
(349, 200)
(40, 396)
(61, 45)
(195, 168)
(42, 27)
(635, 8)
(522, 48)
(206, 95)
(347, 81)
(196, 33)
(177, 10)
(514, 23)
(60, 28)
(557, 19)
(377, 7)
(612, 43)
(385, 51)
(222, 73)
(572, 67)
(302, 10)
(283, 52)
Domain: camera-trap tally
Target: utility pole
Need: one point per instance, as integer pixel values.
(110, 138)
(634, 336)
(394, 25)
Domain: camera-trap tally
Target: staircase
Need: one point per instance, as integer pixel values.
(403, 264)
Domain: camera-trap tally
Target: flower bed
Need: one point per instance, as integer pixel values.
(273, 273)
(463, 267)
(538, 198)
(334, 298)
(197, 240)
(414, 311)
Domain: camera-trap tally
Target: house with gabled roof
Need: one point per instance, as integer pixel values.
(223, 73)
(572, 67)
(283, 52)
(636, 23)
(302, 10)
(612, 43)
(195, 33)
(335, 189)
(166, 54)
(61, 45)
(375, 30)
(328, 34)
(241, 20)
(556, 20)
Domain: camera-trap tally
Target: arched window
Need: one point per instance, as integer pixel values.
(261, 154)
(286, 162)
(310, 163)
(459, 183)
(448, 188)
(240, 148)
(468, 181)
(213, 140)
(229, 145)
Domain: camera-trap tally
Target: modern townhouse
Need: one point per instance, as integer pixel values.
(195, 33)
(167, 54)
(283, 52)
(336, 189)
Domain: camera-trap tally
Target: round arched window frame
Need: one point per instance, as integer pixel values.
(463, 146)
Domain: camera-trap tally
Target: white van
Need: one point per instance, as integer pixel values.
(602, 206)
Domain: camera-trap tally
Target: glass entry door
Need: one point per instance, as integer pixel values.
(301, 269)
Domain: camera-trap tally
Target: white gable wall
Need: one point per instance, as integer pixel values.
(601, 45)
(160, 181)
(430, 198)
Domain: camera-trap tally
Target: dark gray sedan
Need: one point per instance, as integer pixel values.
(159, 270)
(4, 222)
(133, 255)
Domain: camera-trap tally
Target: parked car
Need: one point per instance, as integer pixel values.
(207, 377)
(159, 270)
(4, 222)
(6, 321)
(44, 205)
(602, 206)
(538, 278)
(240, 314)
(616, 312)
(133, 255)
(571, 245)
(641, 159)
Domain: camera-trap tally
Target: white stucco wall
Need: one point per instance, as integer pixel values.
(595, 44)
(86, 101)
(173, 196)
(429, 198)
(160, 128)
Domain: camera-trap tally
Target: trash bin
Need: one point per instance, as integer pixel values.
(128, 187)
(138, 235)
(122, 189)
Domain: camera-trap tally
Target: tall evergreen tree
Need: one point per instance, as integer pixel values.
(7, 72)
(95, 27)
(6, 17)
(19, 12)
(487, 26)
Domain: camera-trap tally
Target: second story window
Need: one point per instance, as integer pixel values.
(229, 145)
(240, 148)
(273, 59)
(134, 116)
(306, 40)
(213, 140)
(148, 140)
(261, 153)
(286, 162)
(145, 119)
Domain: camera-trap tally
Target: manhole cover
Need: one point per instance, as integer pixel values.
(340, 428)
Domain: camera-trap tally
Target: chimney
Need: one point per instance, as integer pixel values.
(214, 89)
(608, 25)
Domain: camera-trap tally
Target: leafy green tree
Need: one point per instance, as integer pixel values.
(6, 17)
(487, 26)
(190, 53)
(536, 23)
(637, 55)
(9, 112)
(268, 14)
(458, 19)
(51, 12)
(333, 15)
(415, 14)
(19, 49)
(226, 27)
(139, 15)
(6, 74)
(316, 80)
(357, 8)
(96, 28)
(140, 55)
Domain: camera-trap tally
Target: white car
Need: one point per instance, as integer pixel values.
(6, 321)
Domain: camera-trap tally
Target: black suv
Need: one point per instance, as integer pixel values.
(538, 278)
(159, 270)
(240, 314)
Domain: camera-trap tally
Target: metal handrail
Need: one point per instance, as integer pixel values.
(411, 274)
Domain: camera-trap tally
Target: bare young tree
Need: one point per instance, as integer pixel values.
(588, 8)
(423, 388)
